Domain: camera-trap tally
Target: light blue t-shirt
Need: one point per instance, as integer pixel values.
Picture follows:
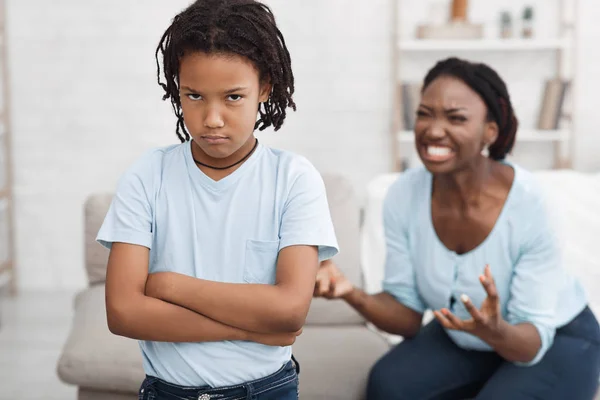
(522, 251)
(229, 230)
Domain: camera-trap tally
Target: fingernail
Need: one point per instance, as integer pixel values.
(464, 298)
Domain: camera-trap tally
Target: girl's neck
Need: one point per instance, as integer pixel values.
(219, 168)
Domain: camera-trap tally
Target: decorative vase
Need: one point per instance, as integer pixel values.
(459, 10)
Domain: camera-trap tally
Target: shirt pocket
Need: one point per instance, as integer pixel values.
(260, 263)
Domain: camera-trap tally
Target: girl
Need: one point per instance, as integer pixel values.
(215, 242)
(524, 332)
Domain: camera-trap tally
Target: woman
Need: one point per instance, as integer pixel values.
(467, 237)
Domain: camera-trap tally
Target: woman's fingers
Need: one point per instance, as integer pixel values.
(322, 286)
(454, 320)
(443, 320)
(487, 280)
(475, 313)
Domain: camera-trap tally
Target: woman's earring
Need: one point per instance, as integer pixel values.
(486, 150)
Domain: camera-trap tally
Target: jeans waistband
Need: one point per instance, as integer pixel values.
(283, 376)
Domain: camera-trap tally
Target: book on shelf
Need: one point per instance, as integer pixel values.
(552, 103)
(4, 232)
(411, 96)
(3, 164)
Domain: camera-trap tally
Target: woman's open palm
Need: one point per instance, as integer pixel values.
(484, 320)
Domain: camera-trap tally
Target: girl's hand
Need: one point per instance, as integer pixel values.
(331, 283)
(487, 321)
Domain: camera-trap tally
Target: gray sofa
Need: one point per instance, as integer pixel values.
(335, 350)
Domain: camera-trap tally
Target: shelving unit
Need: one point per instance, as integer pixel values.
(483, 45)
(7, 274)
(561, 47)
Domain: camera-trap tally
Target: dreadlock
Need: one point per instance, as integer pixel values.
(243, 27)
(492, 89)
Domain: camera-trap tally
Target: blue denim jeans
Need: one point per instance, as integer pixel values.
(430, 366)
(282, 385)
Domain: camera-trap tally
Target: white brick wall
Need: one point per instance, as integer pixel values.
(85, 105)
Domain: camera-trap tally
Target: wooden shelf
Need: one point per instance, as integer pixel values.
(526, 135)
(5, 276)
(5, 273)
(482, 45)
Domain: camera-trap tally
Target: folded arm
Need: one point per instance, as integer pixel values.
(281, 307)
(132, 314)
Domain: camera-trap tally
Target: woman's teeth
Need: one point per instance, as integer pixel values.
(438, 151)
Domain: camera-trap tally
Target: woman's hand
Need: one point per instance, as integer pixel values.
(487, 322)
(331, 283)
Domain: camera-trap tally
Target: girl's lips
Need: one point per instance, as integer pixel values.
(214, 139)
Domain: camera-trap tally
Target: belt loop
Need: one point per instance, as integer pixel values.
(296, 365)
(249, 391)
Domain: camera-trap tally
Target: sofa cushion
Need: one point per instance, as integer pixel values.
(335, 361)
(345, 214)
(95, 358)
(96, 255)
(88, 394)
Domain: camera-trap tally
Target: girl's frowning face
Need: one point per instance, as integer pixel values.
(220, 96)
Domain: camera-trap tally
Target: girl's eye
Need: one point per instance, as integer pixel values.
(194, 97)
(421, 113)
(457, 118)
(234, 97)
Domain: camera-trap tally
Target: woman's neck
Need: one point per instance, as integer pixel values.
(463, 189)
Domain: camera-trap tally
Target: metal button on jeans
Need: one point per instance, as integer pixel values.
(204, 397)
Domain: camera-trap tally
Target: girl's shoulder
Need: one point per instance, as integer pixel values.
(147, 169)
(289, 163)
(154, 159)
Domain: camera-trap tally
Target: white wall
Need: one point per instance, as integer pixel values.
(587, 140)
(85, 104)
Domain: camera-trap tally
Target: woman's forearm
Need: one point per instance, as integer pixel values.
(385, 312)
(516, 343)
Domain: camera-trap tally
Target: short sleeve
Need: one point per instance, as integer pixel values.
(129, 218)
(306, 219)
(399, 276)
(537, 276)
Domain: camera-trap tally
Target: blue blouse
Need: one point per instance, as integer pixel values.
(522, 251)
